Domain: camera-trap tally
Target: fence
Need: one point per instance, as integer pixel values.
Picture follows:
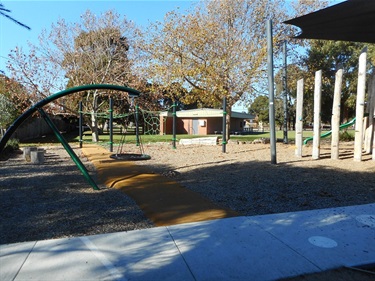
(37, 127)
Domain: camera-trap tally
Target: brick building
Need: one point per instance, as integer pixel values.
(202, 121)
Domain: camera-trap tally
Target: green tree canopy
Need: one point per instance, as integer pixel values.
(329, 56)
(260, 107)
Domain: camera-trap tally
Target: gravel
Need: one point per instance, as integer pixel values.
(244, 179)
(53, 200)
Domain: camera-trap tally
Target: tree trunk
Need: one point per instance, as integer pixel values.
(227, 124)
(94, 119)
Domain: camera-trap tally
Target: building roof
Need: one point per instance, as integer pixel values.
(206, 112)
(352, 20)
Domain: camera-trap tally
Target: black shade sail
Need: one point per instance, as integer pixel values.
(353, 20)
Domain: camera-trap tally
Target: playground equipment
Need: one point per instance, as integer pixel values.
(39, 107)
(148, 122)
(363, 121)
(145, 123)
(120, 154)
(327, 134)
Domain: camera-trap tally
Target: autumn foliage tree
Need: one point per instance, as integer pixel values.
(218, 49)
(94, 51)
(13, 101)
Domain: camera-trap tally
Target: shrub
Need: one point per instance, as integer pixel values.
(346, 136)
(12, 145)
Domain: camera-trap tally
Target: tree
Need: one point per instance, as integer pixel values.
(13, 101)
(260, 108)
(328, 56)
(94, 51)
(294, 73)
(5, 13)
(8, 112)
(219, 49)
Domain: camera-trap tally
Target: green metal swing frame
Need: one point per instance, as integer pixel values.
(39, 107)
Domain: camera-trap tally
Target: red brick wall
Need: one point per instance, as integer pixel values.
(214, 124)
(185, 125)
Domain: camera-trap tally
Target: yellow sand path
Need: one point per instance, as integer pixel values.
(164, 201)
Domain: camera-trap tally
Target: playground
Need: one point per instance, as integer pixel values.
(60, 202)
(225, 206)
(189, 183)
(192, 186)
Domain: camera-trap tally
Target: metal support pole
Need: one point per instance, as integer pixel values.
(111, 124)
(224, 142)
(70, 151)
(174, 125)
(271, 92)
(137, 125)
(285, 96)
(80, 125)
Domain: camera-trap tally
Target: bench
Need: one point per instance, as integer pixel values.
(202, 141)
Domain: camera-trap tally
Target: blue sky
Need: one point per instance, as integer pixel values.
(40, 15)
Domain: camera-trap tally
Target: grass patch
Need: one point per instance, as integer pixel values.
(168, 138)
(131, 139)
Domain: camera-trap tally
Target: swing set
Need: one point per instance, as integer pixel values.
(121, 154)
(38, 107)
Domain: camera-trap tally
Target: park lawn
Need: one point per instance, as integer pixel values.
(168, 138)
(118, 138)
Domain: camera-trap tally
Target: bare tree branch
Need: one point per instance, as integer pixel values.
(3, 12)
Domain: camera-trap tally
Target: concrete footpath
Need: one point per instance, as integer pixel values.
(265, 247)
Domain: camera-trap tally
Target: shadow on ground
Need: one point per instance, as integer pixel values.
(258, 187)
(53, 200)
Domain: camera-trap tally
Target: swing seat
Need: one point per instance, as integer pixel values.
(130, 156)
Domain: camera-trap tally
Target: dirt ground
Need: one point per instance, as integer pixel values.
(53, 200)
(243, 178)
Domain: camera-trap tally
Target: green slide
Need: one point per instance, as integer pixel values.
(327, 134)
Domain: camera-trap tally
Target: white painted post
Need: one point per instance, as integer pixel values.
(371, 111)
(369, 136)
(317, 118)
(366, 141)
(360, 106)
(299, 119)
(335, 121)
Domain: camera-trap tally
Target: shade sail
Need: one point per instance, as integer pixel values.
(353, 20)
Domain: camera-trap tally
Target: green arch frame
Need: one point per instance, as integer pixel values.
(38, 107)
(40, 104)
